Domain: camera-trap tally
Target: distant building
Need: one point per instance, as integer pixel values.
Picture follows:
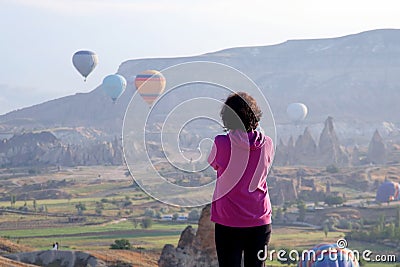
(182, 218)
(166, 218)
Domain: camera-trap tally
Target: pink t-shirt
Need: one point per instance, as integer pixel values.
(242, 161)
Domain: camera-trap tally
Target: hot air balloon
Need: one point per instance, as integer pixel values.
(114, 85)
(85, 62)
(328, 255)
(150, 84)
(388, 191)
(296, 111)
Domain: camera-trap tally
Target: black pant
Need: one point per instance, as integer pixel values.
(232, 241)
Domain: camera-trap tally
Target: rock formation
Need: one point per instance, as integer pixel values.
(283, 191)
(44, 149)
(195, 249)
(281, 154)
(290, 150)
(59, 258)
(329, 149)
(305, 149)
(355, 156)
(377, 149)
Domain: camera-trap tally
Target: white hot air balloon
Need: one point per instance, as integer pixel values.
(297, 111)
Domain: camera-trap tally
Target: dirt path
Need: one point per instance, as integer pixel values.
(113, 222)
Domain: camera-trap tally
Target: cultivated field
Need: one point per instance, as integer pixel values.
(88, 208)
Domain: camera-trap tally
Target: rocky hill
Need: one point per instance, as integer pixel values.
(349, 78)
(195, 248)
(44, 149)
(305, 150)
(57, 258)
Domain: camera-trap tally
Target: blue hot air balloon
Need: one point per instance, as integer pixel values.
(114, 85)
(388, 191)
(328, 255)
(85, 62)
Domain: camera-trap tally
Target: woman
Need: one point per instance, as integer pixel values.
(241, 208)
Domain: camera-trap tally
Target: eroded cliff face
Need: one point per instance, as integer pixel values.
(329, 149)
(306, 151)
(43, 149)
(195, 248)
(377, 153)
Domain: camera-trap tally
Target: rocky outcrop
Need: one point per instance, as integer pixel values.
(44, 149)
(305, 150)
(377, 149)
(4, 262)
(281, 154)
(355, 156)
(329, 149)
(59, 258)
(194, 249)
(283, 191)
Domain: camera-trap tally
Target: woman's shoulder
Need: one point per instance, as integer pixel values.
(221, 138)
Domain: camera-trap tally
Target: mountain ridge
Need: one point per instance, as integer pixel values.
(349, 80)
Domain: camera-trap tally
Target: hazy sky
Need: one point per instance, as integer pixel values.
(39, 37)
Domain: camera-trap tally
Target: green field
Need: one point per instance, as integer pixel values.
(57, 219)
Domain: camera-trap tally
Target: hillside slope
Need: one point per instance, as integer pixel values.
(350, 78)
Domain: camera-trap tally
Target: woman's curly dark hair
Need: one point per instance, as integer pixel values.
(240, 112)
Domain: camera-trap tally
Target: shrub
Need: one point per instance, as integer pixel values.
(121, 244)
(332, 168)
(194, 215)
(146, 223)
(149, 212)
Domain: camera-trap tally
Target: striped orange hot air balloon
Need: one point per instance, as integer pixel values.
(150, 84)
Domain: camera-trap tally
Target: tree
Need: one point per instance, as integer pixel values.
(149, 212)
(41, 208)
(175, 216)
(302, 211)
(98, 211)
(279, 214)
(34, 204)
(332, 168)
(194, 215)
(121, 244)
(164, 210)
(80, 207)
(13, 200)
(135, 223)
(326, 230)
(334, 200)
(158, 215)
(146, 223)
(99, 208)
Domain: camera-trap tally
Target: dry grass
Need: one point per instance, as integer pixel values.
(7, 246)
(138, 258)
(4, 262)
